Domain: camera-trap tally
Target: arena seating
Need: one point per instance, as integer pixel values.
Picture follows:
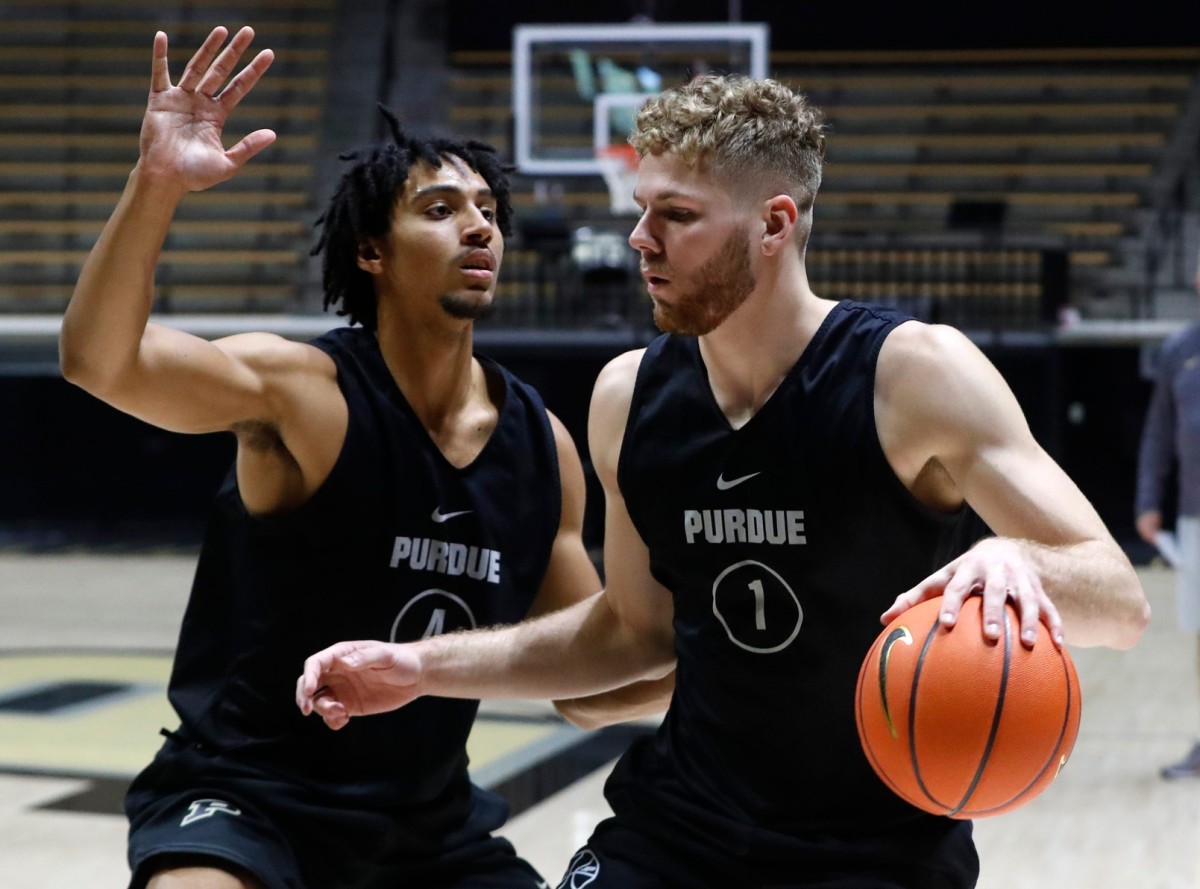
(73, 77)
(954, 178)
(936, 154)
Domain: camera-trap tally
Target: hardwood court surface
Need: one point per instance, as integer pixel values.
(88, 623)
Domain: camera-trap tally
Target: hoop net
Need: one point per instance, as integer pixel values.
(619, 167)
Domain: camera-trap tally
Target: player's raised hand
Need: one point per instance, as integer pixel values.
(358, 679)
(181, 132)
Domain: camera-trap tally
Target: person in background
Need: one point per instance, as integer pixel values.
(1170, 450)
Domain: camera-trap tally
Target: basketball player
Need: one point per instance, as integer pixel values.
(387, 482)
(780, 471)
(1169, 441)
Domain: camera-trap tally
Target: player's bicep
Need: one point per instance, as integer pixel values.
(943, 403)
(185, 383)
(1001, 469)
(1019, 491)
(640, 602)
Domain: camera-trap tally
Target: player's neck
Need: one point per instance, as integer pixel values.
(434, 367)
(751, 352)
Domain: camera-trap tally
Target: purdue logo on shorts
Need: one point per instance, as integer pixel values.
(206, 808)
(584, 869)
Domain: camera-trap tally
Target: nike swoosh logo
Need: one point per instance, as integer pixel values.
(900, 634)
(440, 517)
(723, 485)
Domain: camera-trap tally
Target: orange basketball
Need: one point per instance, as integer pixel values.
(959, 726)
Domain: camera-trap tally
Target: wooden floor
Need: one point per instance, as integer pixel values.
(1108, 822)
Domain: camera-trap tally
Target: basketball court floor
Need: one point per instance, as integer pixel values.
(85, 644)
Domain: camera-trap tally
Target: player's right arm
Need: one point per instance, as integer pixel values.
(619, 636)
(262, 386)
(107, 345)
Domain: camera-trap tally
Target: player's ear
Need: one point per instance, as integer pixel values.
(779, 215)
(369, 257)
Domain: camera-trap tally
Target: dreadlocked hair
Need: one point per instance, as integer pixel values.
(362, 204)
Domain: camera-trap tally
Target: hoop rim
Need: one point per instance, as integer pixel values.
(619, 151)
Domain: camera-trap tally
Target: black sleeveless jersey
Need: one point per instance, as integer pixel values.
(782, 542)
(397, 544)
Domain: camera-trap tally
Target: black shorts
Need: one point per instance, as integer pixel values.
(190, 807)
(635, 853)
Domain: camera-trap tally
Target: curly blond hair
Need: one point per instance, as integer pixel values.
(745, 129)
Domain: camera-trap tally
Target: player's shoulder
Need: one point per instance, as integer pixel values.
(266, 348)
(612, 397)
(275, 355)
(626, 363)
(917, 345)
(617, 378)
(930, 371)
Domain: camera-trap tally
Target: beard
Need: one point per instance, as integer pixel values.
(464, 308)
(724, 283)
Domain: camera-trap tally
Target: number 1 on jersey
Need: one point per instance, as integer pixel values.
(760, 605)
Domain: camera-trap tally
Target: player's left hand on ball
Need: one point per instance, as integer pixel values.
(999, 570)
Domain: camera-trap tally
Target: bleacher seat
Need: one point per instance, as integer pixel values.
(73, 76)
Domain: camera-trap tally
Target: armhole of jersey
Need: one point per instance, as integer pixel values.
(954, 518)
(302, 512)
(543, 416)
(873, 368)
(531, 400)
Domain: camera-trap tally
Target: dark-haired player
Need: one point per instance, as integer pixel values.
(387, 483)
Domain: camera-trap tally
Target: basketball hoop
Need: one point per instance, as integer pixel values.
(619, 167)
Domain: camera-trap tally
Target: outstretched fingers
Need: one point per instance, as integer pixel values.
(200, 62)
(245, 80)
(250, 145)
(218, 72)
(160, 78)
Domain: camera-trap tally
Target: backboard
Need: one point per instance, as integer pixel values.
(576, 88)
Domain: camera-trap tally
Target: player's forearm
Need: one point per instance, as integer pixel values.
(1096, 591)
(637, 701)
(578, 651)
(103, 325)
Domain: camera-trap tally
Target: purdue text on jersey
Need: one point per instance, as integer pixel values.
(774, 526)
(452, 559)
